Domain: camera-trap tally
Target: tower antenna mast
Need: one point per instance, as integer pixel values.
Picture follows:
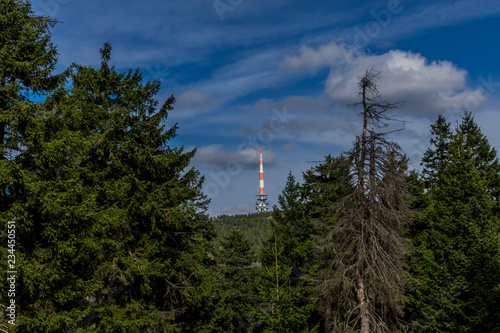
(261, 204)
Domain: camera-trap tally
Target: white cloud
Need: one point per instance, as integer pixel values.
(290, 146)
(191, 98)
(312, 60)
(191, 104)
(403, 73)
(427, 87)
(292, 103)
(246, 157)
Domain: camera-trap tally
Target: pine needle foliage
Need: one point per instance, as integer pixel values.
(111, 225)
(27, 60)
(456, 259)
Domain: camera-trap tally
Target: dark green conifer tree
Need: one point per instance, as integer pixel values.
(111, 229)
(291, 227)
(434, 160)
(324, 185)
(236, 259)
(456, 259)
(225, 298)
(27, 60)
(287, 258)
(485, 156)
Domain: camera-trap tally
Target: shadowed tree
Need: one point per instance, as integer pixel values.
(291, 227)
(222, 302)
(235, 258)
(456, 258)
(287, 257)
(27, 58)
(111, 229)
(324, 185)
(434, 160)
(364, 277)
(484, 156)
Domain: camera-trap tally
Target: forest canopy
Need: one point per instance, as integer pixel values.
(104, 225)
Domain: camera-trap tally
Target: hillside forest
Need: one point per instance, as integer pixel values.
(103, 224)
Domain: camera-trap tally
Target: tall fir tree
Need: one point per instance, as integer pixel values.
(456, 259)
(236, 259)
(27, 60)
(111, 228)
(324, 185)
(435, 158)
(292, 227)
(485, 156)
(287, 258)
(225, 298)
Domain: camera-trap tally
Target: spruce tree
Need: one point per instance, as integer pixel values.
(287, 259)
(485, 156)
(435, 158)
(236, 258)
(111, 228)
(27, 60)
(285, 303)
(292, 227)
(324, 185)
(225, 297)
(456, 260)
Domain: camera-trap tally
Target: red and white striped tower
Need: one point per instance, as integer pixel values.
(261, 174)
(261, 204)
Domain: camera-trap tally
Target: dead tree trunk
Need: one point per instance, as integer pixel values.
(363, 302)
(367, 262)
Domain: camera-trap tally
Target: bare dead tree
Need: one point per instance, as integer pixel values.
(363, 281)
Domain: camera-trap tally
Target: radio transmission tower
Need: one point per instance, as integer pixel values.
(261, 204)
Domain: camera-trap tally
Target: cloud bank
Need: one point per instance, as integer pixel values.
(427, 88)
(246, 157)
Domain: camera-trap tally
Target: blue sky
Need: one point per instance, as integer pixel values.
(280, 74)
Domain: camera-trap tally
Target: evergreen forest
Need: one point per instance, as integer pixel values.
(112, 235)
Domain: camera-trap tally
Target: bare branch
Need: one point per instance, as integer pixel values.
(364, 280)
